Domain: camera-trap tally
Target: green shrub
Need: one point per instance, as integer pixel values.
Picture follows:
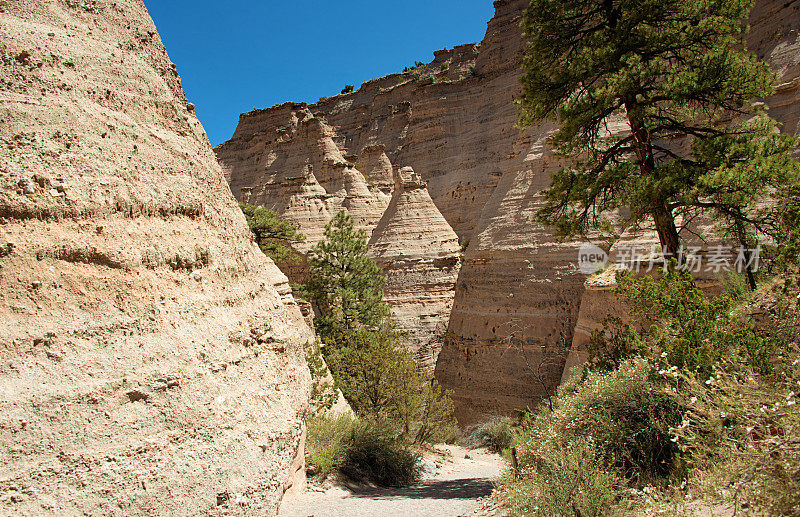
(348, 89)
(327, 442)
(362, 450)
(681, 325)
(381, 381)
(571, 480)
(373, 455)
(627, 413)
(497, 434)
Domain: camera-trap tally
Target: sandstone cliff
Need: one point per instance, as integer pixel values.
(421, 257)
(285, 159)
(152, 357)
(519, 290)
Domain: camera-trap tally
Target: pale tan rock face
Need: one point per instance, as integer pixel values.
(151, 357)
(286, 159)
(421, 257)
(519, 290)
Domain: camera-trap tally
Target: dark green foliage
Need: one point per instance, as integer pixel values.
(682, 326)
(344, 283)
(363, 450)
(273, 235)
(373, 455)
(380, 380)
(348, 88)
(674, 72)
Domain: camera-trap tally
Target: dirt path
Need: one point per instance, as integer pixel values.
(457, 489)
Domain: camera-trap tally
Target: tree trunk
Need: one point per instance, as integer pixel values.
(667, 231)
(662, 216)
(748, 266)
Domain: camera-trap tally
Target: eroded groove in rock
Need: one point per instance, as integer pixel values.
(150, 356)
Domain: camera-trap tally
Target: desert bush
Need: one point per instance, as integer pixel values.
(606, 431)
(741, 432)
(741, 436)
(626, 412)
(571, 480)
(327, 441)
(362, 450)
(677, 322)
(497, 434)
(374, 455)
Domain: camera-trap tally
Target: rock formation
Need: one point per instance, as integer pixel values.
(285, 158)
(152, 357)
(519, 290)
(421, 257)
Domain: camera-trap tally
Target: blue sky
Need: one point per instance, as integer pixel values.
(240, 54)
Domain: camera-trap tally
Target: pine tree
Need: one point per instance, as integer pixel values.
(377, 375)
(677, 74)
(273, 234)
(345, 284)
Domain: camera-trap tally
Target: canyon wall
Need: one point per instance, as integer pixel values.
(519, 291)
(151, 358)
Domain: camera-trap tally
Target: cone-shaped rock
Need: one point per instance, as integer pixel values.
(421, 257)
(285, 159)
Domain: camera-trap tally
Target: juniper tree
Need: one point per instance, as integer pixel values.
(678, 77)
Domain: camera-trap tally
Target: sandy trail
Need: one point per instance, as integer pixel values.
(456, 491)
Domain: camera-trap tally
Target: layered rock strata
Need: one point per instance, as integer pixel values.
(151, 357)
(420, 256)
(453, 120)
(285, 159)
